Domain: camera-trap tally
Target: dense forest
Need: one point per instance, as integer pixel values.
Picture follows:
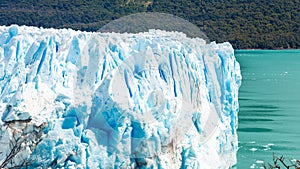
(273, 24)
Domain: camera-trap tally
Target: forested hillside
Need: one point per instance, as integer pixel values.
(244, 23)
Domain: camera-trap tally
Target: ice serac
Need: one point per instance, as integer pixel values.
(106, 100)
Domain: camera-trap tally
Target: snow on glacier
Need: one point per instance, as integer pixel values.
(150, 100)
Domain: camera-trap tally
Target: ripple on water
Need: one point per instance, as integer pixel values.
(255, 129)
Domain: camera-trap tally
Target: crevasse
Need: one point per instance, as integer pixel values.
(105, 100)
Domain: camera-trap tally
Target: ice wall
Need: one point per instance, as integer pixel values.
(105, 100)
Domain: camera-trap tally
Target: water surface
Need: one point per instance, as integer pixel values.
(269, 117)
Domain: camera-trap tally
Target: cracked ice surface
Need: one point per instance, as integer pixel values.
(149, 100)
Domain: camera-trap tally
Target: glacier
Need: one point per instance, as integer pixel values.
(155, 99)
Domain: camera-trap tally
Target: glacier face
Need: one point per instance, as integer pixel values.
(106, 100)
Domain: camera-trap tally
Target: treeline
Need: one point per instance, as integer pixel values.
(246, 24)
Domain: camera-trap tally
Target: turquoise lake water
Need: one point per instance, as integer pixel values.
(269, 117)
